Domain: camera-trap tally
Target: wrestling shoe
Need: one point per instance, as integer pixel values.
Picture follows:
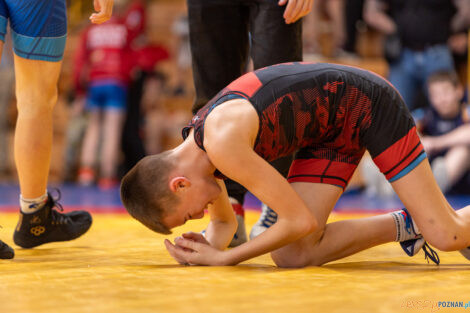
(48, 225)
(414, 245)
(466, 252)
(6, 252)
(240, 235)
(267, 219)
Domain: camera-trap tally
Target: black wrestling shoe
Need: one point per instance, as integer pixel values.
(48, 225)
(6, 252)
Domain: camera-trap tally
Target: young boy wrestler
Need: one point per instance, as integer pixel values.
(331, 114)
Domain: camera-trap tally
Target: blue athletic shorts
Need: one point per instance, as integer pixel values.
(38, 27)
(106, 95)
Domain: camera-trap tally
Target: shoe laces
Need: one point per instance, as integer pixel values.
(268, 218)
(430, 254)
(57, 218)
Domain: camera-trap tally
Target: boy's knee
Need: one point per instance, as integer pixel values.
(37, 99)
(300, 254)
(289, 260)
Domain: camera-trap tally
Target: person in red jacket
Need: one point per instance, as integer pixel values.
(103, 63)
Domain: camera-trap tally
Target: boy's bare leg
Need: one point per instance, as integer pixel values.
(36, 93)
(90, 142)
(439, 224)
(112, 131)
(335, 240)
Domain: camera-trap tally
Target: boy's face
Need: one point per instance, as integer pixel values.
(445, 98)
(192, 202)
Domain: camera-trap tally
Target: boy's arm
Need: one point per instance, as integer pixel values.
(459, 136)
(223, 224)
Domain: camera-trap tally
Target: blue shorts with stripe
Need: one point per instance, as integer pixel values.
(38, 27)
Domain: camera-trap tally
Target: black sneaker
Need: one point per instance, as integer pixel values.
(48, 225)
(6, 252)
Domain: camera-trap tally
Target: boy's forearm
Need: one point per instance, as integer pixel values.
(219, 234)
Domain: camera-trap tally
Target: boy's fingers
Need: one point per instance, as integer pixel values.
(282, 2)
(188, 244)
(176, 252)
(104, 9)
(297, 10)
(289, 10)
(96, 5)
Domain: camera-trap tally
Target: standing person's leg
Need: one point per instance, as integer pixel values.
(273, 42)
(218, 33)
(36, 93)
(112, 128)
(38, 55)
(113, 120)
(86, 174)
(6, 252)
(353, 13)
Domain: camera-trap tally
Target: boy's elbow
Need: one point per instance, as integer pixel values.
(308, 225)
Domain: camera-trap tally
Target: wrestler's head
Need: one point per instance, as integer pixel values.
(161, 194)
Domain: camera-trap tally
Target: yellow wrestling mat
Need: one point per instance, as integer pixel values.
(120, 266)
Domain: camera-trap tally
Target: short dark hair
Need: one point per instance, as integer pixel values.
(145, 192)
(444, 76)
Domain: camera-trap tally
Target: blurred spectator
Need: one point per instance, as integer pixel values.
(327, 17)
(446, 131)
(353, 10)
(417, 33)
(7, 81)
(144, 94)
(102, 67)
(180, 29)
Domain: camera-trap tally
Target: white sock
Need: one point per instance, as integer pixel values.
(404, 233)
(32, 205)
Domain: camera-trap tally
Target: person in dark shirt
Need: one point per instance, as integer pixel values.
(331, 114)
(416, 43)
(441, 125)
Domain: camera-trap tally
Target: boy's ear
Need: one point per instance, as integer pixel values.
(179, 183)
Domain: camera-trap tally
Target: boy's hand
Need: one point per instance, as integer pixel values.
(295, 9)
(197, 237)
(104, 9)
(190, 252)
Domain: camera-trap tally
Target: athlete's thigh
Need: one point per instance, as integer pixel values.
(38, 28)
(319, 198)
(421, 195)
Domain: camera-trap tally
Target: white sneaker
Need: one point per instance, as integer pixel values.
(240, 235)
(267, 219)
